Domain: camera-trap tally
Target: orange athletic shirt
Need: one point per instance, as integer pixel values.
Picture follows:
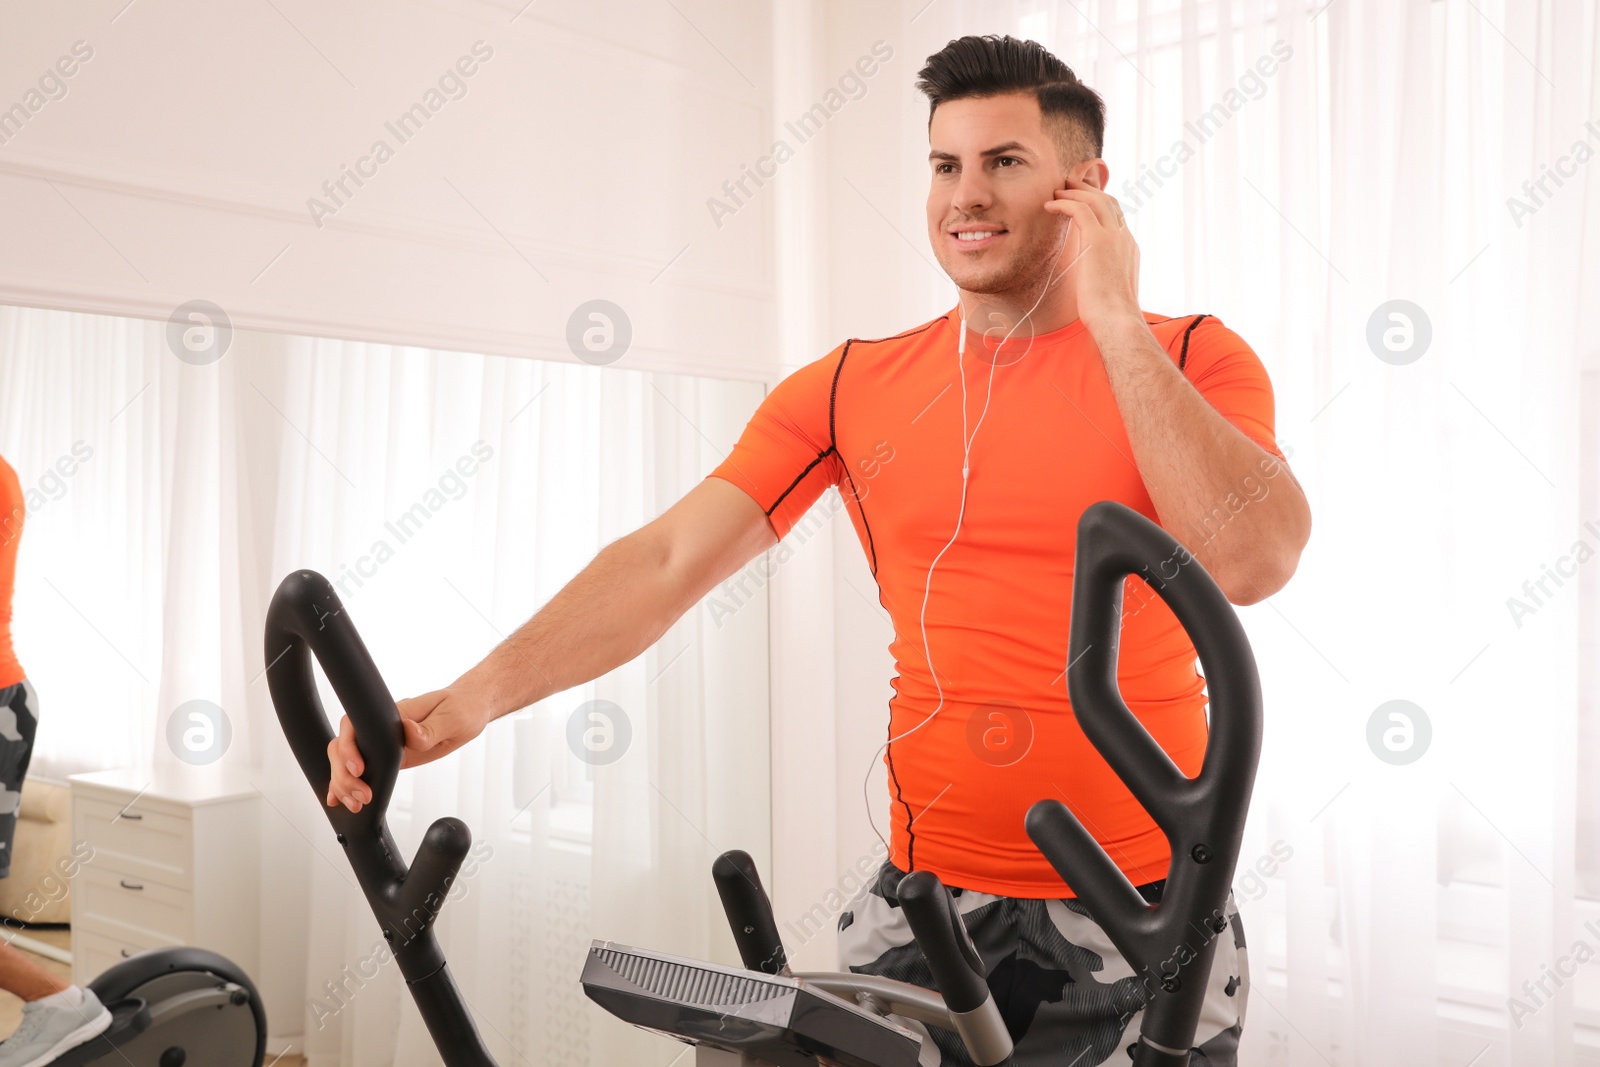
(881, 420)
(12, 512)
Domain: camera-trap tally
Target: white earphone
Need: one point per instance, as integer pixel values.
(966, 469)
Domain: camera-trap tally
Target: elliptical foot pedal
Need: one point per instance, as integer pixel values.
(130, 1017)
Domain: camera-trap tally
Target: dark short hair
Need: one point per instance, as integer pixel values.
(971, 67)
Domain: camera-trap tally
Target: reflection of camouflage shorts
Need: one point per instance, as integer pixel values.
(19, 718)
(1066, 993)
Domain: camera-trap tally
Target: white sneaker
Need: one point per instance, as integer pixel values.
(48, 1030)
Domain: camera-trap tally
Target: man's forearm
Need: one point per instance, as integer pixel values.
(610, 612)
(1195, 462)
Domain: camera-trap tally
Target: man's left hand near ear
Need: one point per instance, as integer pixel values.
(1102, 255)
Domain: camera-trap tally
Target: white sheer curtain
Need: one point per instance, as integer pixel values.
(447, 496)
(128, 589)
(1341, 155)
(78, 410)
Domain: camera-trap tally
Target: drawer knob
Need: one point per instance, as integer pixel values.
(126, 954)
(129, 885)
(129, 815)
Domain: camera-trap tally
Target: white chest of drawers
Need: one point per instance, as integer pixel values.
(174, 862)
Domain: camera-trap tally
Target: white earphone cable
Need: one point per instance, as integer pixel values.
(966, 468)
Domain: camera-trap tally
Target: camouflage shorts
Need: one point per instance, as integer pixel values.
(1067, 995)
(19, 718)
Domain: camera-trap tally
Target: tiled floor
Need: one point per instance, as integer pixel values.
(11, 1007)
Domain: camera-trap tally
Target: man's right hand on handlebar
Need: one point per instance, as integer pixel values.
(435, 723)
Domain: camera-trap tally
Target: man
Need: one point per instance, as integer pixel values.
(966, 449)
(56, 1015)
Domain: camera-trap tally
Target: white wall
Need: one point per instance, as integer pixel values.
(178, 161)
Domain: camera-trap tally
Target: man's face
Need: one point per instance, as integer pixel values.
(993, 169)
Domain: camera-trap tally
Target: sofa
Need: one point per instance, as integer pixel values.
(38, 890)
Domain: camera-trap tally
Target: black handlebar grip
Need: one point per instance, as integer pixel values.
(940, 933)
(1114, 541)
(304, 619)
(957, 969)
(749, 912)
(1173, 942)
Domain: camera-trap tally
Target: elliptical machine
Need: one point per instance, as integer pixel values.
(763, 1014)
(749, 1017)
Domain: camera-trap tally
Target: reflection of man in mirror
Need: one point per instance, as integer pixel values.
(56, 1015)
(18, 706)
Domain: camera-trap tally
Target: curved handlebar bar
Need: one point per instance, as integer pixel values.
(1171, 943)
(306, 618)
